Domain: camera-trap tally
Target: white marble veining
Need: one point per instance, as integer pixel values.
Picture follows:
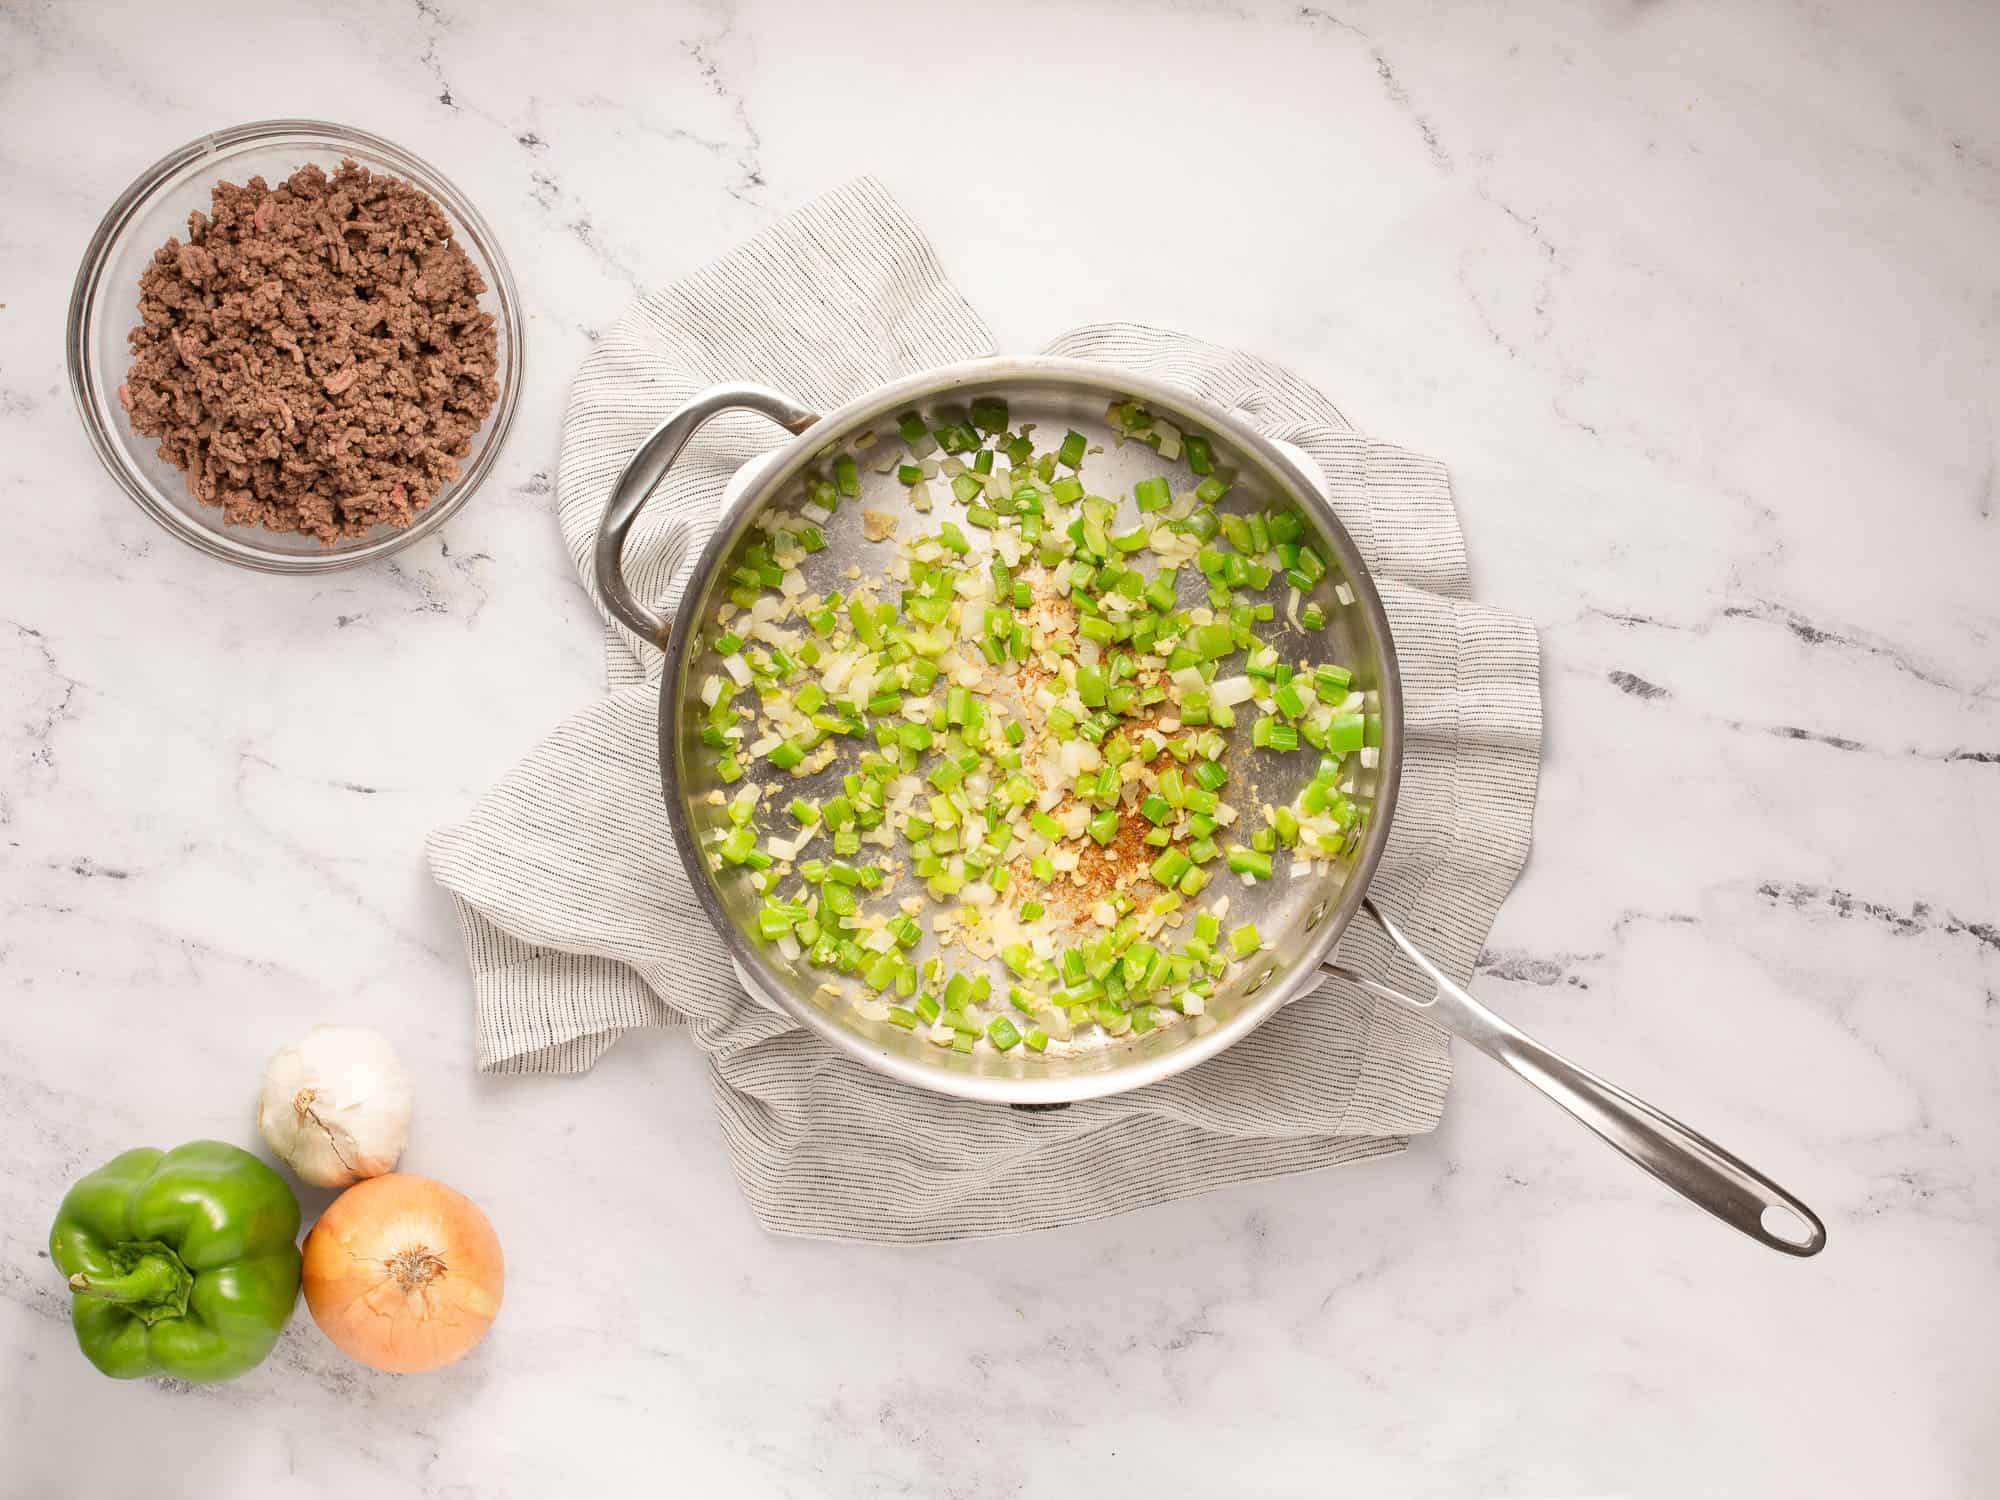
(1700, 304)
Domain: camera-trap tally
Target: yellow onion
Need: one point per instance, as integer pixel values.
(403, 1274)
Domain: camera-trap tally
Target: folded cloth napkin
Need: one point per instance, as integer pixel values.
(579, 921)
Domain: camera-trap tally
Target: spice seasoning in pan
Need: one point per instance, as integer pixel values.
(314, 357)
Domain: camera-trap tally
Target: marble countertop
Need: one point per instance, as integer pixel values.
(1700, 305)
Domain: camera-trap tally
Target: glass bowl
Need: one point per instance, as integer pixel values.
(104, 307)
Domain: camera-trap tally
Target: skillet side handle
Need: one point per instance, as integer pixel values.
(642, 475)
(1684, 1159)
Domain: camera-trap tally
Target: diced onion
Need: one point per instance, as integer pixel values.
(833, 676)
(737, 668)
(1228, 690)
(1078, 756)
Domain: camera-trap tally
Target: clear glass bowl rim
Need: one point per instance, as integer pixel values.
(83, 377)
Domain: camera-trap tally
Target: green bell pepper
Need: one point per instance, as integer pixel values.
(182, 1263)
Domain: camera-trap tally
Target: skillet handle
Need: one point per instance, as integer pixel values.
(1685, 1160)
(642, 475)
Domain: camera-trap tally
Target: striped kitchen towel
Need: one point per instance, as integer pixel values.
(579, 921)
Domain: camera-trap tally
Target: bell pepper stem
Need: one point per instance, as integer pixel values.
(154, 1278)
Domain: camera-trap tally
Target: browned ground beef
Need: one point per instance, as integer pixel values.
(314, 357)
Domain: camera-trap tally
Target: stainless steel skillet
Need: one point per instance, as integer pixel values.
(1302, 920)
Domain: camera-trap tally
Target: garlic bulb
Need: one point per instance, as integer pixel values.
(336, 1105)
